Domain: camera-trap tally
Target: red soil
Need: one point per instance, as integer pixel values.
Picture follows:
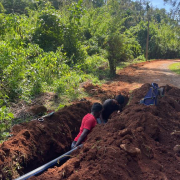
(100, 94)
(134, 145)
(36, 143)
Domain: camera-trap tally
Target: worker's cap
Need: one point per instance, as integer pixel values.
(96, 107)
(120, 99)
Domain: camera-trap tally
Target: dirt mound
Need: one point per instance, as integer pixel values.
(96, 91)
(134, 145)
(36, 143)
(104, 92)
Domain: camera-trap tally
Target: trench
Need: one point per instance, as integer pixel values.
(58, 161)
(36, 143)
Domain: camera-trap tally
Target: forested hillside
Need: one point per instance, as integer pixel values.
(57, 44)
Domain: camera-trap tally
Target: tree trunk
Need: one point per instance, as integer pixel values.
(112, 68)
(147, 41)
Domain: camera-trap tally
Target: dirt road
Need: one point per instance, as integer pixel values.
(158, 71)
(134, 76)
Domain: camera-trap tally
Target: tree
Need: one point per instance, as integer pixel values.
(16, 6)
(72, 34)
(160, 15)
(49, 32)
(114, 47)
(147, 41)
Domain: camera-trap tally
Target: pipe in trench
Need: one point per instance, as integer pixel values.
(47, 165)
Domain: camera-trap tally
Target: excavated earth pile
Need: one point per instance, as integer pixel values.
(139, 143)
(107, 91)
(36, 143)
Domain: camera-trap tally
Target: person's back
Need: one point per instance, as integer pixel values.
(88, 122)
(111, 105)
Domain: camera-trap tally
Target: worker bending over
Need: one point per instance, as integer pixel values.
(88, 123)
(111, 105)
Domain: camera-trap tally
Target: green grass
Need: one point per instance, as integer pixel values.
(175, 68)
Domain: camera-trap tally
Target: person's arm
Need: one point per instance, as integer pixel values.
(82, 137)
(101, 118)
(117, 107)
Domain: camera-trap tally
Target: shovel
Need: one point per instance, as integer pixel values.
(47, 115)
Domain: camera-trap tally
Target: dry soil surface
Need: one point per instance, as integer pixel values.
(158, 71)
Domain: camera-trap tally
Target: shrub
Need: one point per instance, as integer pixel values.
(5, 122)
(49, 31)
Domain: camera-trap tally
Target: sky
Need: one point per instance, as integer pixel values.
(159, 4)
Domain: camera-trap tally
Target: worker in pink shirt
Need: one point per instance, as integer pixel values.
(88, 123)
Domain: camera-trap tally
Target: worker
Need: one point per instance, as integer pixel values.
(111, 105)
(88, 123)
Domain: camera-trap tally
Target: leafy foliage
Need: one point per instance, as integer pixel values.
(5, 122)
(115, 48)
(16, 6)
(49, 31)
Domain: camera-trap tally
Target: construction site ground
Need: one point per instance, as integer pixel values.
(141, 142)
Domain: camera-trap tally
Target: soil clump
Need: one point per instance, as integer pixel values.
(136, 144)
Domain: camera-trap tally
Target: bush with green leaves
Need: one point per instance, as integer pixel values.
(49, 31)
(72, 34)
(12, 64)
(163, 39)
(164, 43)
(16, 6)
(5, 122)
(92, 63)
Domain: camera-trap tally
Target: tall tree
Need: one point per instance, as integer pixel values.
(114, 48)
(147, 41)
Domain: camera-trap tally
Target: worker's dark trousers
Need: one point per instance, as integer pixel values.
(73, 144)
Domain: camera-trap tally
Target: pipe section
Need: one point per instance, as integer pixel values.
(47, 165)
